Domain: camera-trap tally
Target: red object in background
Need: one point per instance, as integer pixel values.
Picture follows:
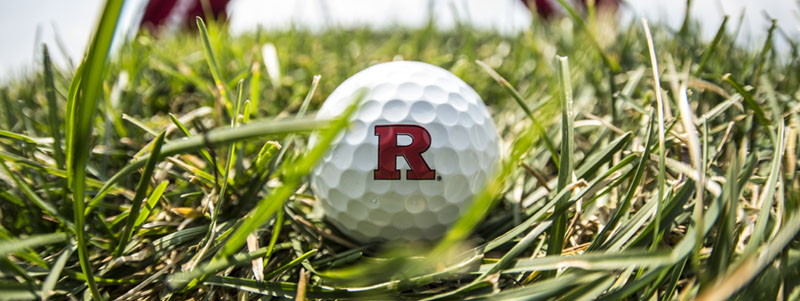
(181, 13)
(547, 8)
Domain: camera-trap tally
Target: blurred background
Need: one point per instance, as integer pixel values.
(67, 24)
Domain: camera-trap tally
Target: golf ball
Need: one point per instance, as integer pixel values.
(417, 150)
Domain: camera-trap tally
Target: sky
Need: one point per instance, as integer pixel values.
(25, 24)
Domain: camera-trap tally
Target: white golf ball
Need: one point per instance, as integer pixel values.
(418, 149)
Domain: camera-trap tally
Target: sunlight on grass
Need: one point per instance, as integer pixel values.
(176, 169)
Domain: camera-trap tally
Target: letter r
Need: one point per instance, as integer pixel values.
(388, 150)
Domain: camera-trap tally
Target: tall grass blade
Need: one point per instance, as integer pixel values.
(217, 206)
(69, 120)
(49, 283)
(695, 155)
(590, 261)
(150, 205)
(725, 243)
(662, 152)
(762, 56)
(565, 170)
(178, 280)
(528, 112)
(80, 128)
(15, 245)
(749, 102)
(141, 191)
(186, 132)
(710, 50)
(255, 89)
(219, 81)
(766, 199)
(18, 137)
(52, 107)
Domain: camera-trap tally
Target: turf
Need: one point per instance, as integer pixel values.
(639, 162)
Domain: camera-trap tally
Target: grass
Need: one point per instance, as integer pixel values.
(639, 162)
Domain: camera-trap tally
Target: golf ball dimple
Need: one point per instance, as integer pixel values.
(419, 148)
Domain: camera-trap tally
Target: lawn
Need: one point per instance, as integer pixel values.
(638, 162)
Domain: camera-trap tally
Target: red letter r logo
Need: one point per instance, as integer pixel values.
(388, 150)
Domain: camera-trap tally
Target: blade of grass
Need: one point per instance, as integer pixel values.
(662, 153)
(291, 264)
(14, 270)
(10, 118)
(214, 66)
(686, 18)
(216, 207)
(696, 157)
(180, 279)
(725, 243)
(150, 204)
(276, 232)
(528, 112)
(590, 261)
(69, 123)
(55, 273)
(565, 170)
(270, 55)
(19, 137)
(246, 111)
(762, 56)
(545, 289)
(766, 198)
(748, 100)
(710, 50)
(139, 124)
(15, 244)
(625, 236)
(255, 87)
(288, 141)
(307, 100)
(675, 277)
(141, 191)
(186, 132)
(81, 117)
(52, 107)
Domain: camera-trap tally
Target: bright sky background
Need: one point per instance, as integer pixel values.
(23, 23)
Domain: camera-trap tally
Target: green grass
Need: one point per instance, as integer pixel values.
(189, 178)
